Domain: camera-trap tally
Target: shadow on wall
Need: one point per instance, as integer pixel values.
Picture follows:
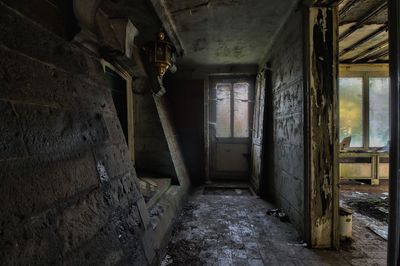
(187, 104)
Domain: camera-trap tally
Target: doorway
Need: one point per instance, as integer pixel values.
(229, 120)
(363, 126)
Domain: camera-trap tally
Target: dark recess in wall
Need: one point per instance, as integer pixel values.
(56, 16)
(268, 139)
(187, 103)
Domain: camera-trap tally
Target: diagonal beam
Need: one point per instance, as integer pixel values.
(343, 11)
(333, 3)
(377, 56)
(169, 24)
(371, 13)
(369, 51)
(364, 40)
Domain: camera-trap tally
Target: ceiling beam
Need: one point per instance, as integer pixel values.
(333, 3)
(343, 11)
(373, 49)
(364, 19)
(169, 25)
(377, 56)
(364, 40)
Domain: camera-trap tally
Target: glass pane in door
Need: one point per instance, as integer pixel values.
(223, 116)
(241, 110)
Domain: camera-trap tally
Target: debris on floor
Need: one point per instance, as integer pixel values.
(380, 230)
(374, 207)
(166, 261)
(227, 191)
(232, 230)
(300, 244)
(279, 213)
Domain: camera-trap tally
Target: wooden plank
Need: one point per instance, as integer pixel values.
(322, 133)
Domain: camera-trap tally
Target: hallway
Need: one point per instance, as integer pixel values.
(117, 118)
(231, 227)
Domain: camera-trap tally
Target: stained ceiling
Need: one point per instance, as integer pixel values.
(219, 32)
(363, 35)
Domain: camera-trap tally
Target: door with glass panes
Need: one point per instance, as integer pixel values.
(230, 119)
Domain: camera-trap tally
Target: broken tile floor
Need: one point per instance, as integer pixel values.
(234, 229)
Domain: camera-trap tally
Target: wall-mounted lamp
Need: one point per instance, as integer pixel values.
(160, 54)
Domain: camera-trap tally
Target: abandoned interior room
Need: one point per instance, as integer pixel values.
(199, 132)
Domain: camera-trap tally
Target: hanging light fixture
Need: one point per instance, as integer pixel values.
(160, 54)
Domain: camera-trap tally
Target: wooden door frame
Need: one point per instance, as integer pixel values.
(394, 173)
(130, 108)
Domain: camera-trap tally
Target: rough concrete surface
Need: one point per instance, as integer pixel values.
(68, 191)
(236, 230)
(217, 32)
(287, 180)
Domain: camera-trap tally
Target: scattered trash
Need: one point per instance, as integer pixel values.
(239, 191)
(380, 230)
(279, 213)
(376, 208)
(301, 244)
(166, 261)
(360, 193)
(385, 193)
(384, 210)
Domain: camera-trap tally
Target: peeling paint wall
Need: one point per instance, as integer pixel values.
(257, 152)
(286, 181)
(67, 185)
(322, 134)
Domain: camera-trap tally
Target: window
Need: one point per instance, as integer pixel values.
(232, 119)
(117, 85)
(350, 110)
(364, 110)
(378, 112)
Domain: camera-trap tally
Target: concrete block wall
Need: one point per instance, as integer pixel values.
(67, 184)
(287, 180)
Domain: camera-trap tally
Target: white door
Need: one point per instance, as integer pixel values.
(230, 119)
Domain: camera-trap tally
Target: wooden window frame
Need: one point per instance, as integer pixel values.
(364, 71)
(129, 96)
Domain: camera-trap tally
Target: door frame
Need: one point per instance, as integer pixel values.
(394, 172)
(130, 108)
(207, 166)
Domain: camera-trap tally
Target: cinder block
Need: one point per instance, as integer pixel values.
(48, 130)
(34, 184)
(114, 129)
(81, 222)
(115, 158)
(20, 34)
(34, 242)
(91, 96)
(11, 144)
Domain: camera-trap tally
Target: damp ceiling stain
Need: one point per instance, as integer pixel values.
(218, 32)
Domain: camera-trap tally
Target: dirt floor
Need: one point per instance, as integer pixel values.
(233, 228)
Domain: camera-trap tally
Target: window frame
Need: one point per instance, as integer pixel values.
(129, 97)
(365, 72)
